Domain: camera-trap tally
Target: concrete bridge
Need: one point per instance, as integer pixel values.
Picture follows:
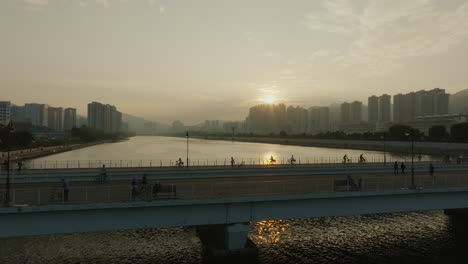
(222, 201)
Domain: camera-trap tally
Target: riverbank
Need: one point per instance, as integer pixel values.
(33, 153)
(426, 148)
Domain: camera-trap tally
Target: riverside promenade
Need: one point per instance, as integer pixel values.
(431, 148)
(32, 153)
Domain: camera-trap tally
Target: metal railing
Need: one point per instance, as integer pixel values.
(239, 162)
(202, 190)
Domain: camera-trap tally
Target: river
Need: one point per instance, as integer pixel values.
(414, 237)
(156, 150)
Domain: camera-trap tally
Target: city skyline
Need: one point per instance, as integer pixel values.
(169, 60)
(379, 109)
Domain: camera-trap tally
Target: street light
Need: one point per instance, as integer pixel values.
(413, 186)
(232, 135)
(187, 136)
(384, 150)
(7, 165)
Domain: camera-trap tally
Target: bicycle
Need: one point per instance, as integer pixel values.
(101, 178)
(141, 192)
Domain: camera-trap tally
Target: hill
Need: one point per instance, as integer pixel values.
(459, 102)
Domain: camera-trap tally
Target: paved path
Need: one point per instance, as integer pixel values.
(197, 188)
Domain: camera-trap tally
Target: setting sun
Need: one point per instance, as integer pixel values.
(269, 99)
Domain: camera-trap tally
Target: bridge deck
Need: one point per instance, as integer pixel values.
(243, 185)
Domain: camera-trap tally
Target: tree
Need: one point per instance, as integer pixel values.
(23, 139)
(459, 132)
(283, 134)
(437, 133)
(397, 132)
(15, 139)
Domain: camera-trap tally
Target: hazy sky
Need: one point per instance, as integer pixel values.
(211, 59)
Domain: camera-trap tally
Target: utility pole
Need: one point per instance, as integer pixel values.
(384, 150)
(232, 135)
(411, 134)
(187, 136)
(8, 139)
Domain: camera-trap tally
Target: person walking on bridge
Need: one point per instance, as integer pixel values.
(431, 169)
(403, 167)
(134, 186)
(20, 165)
(395, 167)
(233, 162)
(65, 190)
(103, 173)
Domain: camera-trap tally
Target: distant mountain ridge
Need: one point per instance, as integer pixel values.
(459, 102)
(139, 125)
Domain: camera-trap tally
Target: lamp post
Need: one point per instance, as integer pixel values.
(413, 186)
(7, 165)
(232, 135)
(384, 149)
(187, 136)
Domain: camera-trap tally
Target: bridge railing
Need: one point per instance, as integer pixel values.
(239, 162)
(107, 193)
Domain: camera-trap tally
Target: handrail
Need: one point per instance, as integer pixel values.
(108, 193)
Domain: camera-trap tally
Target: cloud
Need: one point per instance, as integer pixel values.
(82, 3)
(336, 16)
(37, 2)
(104, 3)
(382, 34)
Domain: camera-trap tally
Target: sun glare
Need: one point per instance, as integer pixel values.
(269, 99)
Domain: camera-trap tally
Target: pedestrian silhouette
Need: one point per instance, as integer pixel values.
(395, 167)
(292, 160)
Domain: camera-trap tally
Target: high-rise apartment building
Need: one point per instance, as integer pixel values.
(296, 119)
(440, 101)
(96, 115)
(319, 119)
(18, 113)
(69, 119)
(373, 108)
(351, 112)
(266, 118)
(406, 107)
(345, 112)
(37, 114)
(5, 112)
(384, 108)
(356, 111)
(55, 118)
(104, 117)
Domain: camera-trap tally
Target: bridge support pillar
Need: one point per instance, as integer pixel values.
(458, 226)
(227, 243)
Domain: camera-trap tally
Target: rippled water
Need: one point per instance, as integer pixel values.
(423, 237)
